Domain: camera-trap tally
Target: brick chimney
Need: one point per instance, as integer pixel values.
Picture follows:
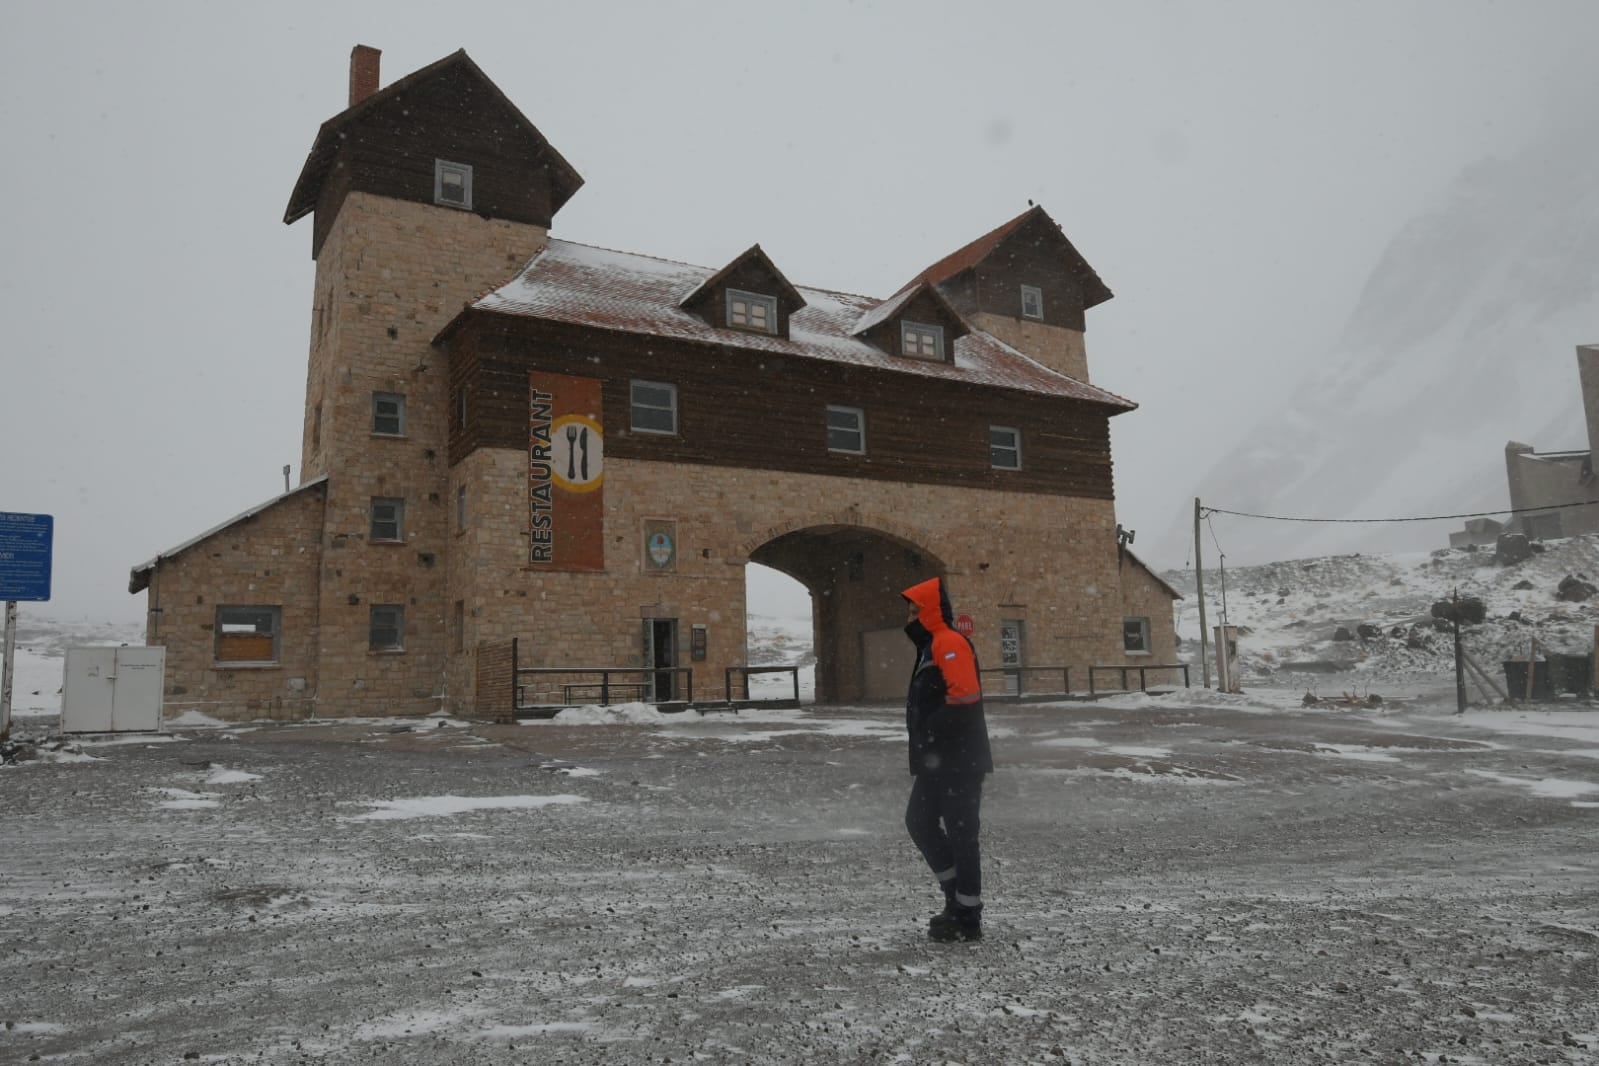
(363, 72)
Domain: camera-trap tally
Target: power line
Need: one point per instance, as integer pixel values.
(1415, 518)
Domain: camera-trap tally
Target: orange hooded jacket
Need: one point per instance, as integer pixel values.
(952, 653)
(944, 717)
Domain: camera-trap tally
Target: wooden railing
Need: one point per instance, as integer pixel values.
(1017, 672)
(596, 685)
(748, 670)
(1142, 671)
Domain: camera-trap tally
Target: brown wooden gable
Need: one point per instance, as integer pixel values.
(751, 271)
(920, 303)
(450, 110)
(1030, 249)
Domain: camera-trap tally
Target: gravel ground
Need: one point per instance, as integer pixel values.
(1187, 879)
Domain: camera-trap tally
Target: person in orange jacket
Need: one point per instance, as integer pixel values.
(949, 756)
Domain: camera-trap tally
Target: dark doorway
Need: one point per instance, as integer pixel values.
(660, 652)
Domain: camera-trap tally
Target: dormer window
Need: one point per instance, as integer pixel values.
(751, 311)
(1032, 302)
(921, 340)
(452, 184)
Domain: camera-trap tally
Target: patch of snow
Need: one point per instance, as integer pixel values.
(195, 720)
(181, 799)
(223, 776)
(1548, 787)
(445, 806)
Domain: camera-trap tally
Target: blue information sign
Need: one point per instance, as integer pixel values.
(25, 541)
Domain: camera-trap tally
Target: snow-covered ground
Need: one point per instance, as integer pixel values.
(1189, 878)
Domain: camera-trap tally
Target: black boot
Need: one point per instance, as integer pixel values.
(960, 923)
(949, 898)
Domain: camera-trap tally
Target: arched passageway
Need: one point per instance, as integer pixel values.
(854, 575)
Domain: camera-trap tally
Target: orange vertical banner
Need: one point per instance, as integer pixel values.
(565, 473)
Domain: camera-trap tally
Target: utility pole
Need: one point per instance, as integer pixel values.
(1460, 667)
(1199, 591)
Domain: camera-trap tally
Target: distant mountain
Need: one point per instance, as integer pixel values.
(1462, 339)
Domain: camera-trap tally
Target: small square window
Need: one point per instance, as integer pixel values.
(452, 184)
(1135, 636)
(1032, 302)
(248, 634)
(846, 429)
(921, 340)
(386, 627)
(752, 311)
(1004, 448)
(388, 414)
(388, 519)
(654, 407)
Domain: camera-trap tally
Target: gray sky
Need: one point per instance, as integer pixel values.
(1232, 170)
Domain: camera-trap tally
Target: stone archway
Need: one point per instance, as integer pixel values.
(854, 574)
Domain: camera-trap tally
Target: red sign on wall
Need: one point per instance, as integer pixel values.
(964, 626)
(565, 473)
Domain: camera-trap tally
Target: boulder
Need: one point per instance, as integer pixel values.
(1512, 548)
(1573, 589)
(1343, 633)
(1468, 611)
(1368, 631)
(1522, 586)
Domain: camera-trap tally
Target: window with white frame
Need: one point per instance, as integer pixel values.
(386, 627)
(248, 634)
(921, 340)
(1135, 636)
(1011, 653)
(1032, 301)
(1004, 448)
(452, 184)
(751, 310)
(388, 414)
(388, 519)
(654, 405)
(846, 429)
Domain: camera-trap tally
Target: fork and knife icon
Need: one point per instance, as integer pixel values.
(577, 440)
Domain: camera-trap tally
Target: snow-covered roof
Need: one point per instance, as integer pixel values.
(139, 578)
(583, 285)
(886, 310)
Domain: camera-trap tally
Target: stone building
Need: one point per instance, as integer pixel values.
(515, 437)
(1545, 485)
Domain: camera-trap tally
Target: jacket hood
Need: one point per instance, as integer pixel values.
(932, 604)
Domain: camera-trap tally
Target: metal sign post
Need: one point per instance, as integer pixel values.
(5, 670)
(25, 542)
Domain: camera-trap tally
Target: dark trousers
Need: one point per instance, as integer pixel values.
(943, 821)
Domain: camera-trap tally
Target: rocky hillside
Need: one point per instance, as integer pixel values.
(1365, 621)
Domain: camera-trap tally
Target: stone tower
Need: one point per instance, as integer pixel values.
(423, 195)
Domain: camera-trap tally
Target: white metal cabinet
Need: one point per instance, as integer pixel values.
(113, 690)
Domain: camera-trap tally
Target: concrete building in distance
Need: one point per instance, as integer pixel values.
(509, 436)
(1544, 485)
